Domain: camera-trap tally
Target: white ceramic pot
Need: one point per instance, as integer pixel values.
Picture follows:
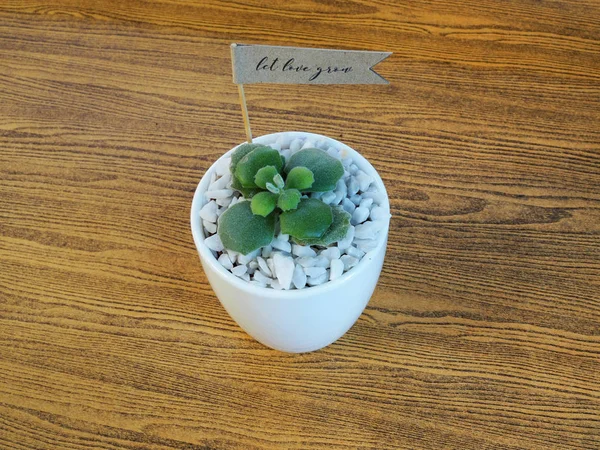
(296, 320)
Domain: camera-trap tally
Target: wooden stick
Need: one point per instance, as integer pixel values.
(245, 112)
(242, 99)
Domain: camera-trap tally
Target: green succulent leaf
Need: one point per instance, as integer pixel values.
(265, 175)
(326, 169)
(336, 232)
(289, 199)
(236, 156)
(278, 181)
(272, 188)
(299, 178)
(244, 232)
(248, 193)
(240, 152)
(252, 162)
(263, 203)
(309, 220)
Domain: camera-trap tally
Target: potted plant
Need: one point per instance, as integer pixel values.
(291, 231)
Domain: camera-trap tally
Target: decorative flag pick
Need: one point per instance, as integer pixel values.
(295, 65)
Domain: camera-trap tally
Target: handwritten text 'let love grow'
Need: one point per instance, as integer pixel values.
(290, 65)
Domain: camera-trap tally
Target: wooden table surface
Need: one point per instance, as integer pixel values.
(484, 331)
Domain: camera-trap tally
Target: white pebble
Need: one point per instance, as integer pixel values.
(295, 145)
(271, 265)
(245, 259)
(379, 213)
(346, 161)
(258, 283)
(356, 199)
(225, 261)
(275, 285)
(366, 245)
(221, 211)
(266, 251)
(264, 273)
(348, 205)
(299, 277)
(331, 253)
(337, 269)
(284, 141)
(287, 154)
(339, 195)
(260, 277)
(301, 250)
(232, 255)
(367, 230)
(238, 271)
(328, 197)
(262, 264)
(275, 146)
(316, 195)
(347, 241)
(308, 144)
(340, 192)
(219, 193)
(283, 237)
(284, 246)
(349, 261)
(353, 186)
(364, 180)
(314, 271)
(209, 212)
(214, 243)
(209, 226)
(315, 281)
(359, 215)
(220, 183)
(253, 265)
(245, 277)
(378, 197)
(356, 252)
(322, 144)
(224, 201)
(222, 166)
(333, 153)
(353, 169)
(284, 269)
(235, 200)
(307, 261)
(322, 261)
(366, 202)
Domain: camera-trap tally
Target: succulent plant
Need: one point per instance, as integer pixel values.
(273, 188)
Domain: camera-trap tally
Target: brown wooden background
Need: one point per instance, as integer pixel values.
(484, 332)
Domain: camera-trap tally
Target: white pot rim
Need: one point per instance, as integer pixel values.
(228, 277)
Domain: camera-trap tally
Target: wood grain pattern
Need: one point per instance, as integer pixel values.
(484, 331)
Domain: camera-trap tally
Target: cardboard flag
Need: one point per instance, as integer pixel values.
(295, 65)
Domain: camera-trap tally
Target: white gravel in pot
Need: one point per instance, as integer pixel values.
(284, 264)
